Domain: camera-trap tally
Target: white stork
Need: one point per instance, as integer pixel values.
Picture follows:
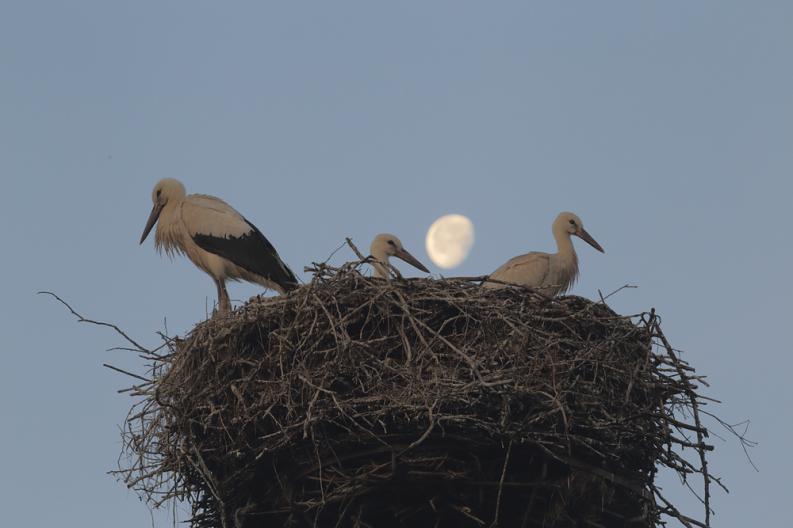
(550, 273)
(384, 246)
(216, 238)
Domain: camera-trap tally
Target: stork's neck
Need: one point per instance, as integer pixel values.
(169, 235)
(564, 262)
(564, 248)
(380, 263)
(169, 210)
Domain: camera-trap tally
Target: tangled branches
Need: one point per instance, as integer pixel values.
(361, 402)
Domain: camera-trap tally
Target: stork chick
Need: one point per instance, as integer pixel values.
(386, 245)
(550, 273)
(216, 238)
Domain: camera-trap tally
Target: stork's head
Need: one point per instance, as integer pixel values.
(167, 190)
(385, 245)
(572, 225)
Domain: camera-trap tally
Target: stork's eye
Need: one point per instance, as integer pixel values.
(391, 242)
(572, 222)
(159, 192)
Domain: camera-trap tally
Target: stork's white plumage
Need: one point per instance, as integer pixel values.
(386, 245)
(550, 273)
(216, 238)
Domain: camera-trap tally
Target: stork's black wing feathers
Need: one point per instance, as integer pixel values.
(251, 251)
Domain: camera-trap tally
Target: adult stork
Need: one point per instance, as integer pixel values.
(216, 238)
(550, 273)
(386, 245)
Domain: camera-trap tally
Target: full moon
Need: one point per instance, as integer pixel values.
(449, 240)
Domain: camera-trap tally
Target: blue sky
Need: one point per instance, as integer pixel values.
(666, 126)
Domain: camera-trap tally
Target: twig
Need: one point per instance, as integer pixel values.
(501, 485)
(82, 319)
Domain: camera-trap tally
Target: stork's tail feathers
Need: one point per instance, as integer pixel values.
(289, 281)
(289, 286)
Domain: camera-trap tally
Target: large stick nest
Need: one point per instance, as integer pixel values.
(361, 402)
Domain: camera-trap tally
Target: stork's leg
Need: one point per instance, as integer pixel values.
(224, 305)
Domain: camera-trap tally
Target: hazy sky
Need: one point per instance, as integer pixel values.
(667, 126)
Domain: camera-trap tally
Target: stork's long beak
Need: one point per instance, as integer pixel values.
(586, 237)
(410, 259)
(155, 214)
